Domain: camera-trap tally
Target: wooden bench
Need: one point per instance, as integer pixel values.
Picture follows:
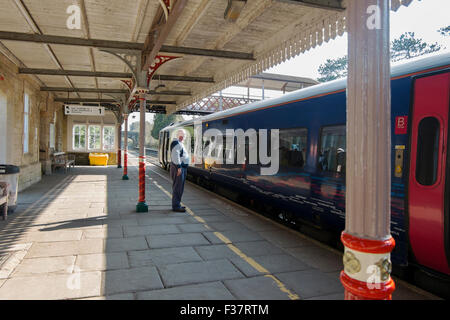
(62, 160)
(4, 191)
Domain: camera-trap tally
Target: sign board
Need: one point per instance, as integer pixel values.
(401, 125)
(84, 110)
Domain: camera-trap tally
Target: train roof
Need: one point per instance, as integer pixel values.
(398, 69)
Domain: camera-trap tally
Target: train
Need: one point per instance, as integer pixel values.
(308, 190)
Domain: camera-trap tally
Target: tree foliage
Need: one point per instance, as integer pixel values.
(161, 121)
(405, 47)
(445, 31)
(333, 69)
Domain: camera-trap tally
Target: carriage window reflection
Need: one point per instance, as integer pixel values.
(293, 147)
(332, 149)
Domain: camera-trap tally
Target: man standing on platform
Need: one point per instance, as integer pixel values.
(178, 170)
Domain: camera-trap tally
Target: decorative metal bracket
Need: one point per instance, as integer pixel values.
(159, 61)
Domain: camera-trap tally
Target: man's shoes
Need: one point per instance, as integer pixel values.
(181, 209)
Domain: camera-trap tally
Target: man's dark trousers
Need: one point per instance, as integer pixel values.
(178, 185)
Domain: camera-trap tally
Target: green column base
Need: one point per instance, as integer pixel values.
(119, 166)
(141, 207)
(125, 177)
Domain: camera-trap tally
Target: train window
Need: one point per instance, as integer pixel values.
(427, 151)
(293, 147)
(332, 149)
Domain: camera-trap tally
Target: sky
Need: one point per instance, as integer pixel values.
(423, 17)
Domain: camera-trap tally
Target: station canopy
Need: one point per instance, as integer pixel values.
(220, 43)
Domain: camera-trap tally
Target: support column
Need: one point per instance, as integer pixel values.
(125, 149)
(367, 237)
(119, 146)
(142, 206)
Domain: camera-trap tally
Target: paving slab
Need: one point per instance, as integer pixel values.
(198, 272)
(256, 288)
(318, 257)
(177, 240)
(125, 244)
(311, 283)
(165, 220)
(215, 252)
(273, 264)
(208, 212)
(284, 238)
(233, 236)
(52, 236)
(52, 287)
(103, 233)
(215, 218)
(119, 296)
(258, 248)
(131, 280)
(257, 224)
(134, 231)
(205, 291)
(30, 267)
(193, 227)
(225, 226)
(65, 248)
(163, 256)
(102, 261)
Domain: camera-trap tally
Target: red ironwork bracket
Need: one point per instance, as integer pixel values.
(159, 61)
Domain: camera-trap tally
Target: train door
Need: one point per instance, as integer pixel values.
(167, 149)
(160, 147)
(429, 172)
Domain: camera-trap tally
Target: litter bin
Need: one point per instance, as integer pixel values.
(10, 174)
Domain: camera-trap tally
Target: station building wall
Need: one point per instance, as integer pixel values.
(81, 150)
(15, 91)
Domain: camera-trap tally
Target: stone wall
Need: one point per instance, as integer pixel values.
(42, 112)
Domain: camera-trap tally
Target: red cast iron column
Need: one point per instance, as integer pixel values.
(142, 206)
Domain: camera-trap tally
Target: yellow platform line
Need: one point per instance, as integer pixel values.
(233, 248)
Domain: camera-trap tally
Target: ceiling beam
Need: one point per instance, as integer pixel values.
(107, 44)
(335, 5)
(82, 100)
(170, 93)
(76, 73)
(208, 53)
(183, 78)
(48, 39)
(119, 75)
(96, 100)
(86, 90)
(120, 91)
(153, 44)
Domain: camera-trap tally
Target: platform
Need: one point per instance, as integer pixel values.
(77, 236)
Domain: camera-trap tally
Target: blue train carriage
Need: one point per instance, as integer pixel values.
(308, 188)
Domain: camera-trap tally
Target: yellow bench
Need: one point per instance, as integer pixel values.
(98, 159)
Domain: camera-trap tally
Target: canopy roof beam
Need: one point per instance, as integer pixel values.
(96, 100)
(120, 91)
(208, 53)
(86, 90)
(108, 44)
(120, 75)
